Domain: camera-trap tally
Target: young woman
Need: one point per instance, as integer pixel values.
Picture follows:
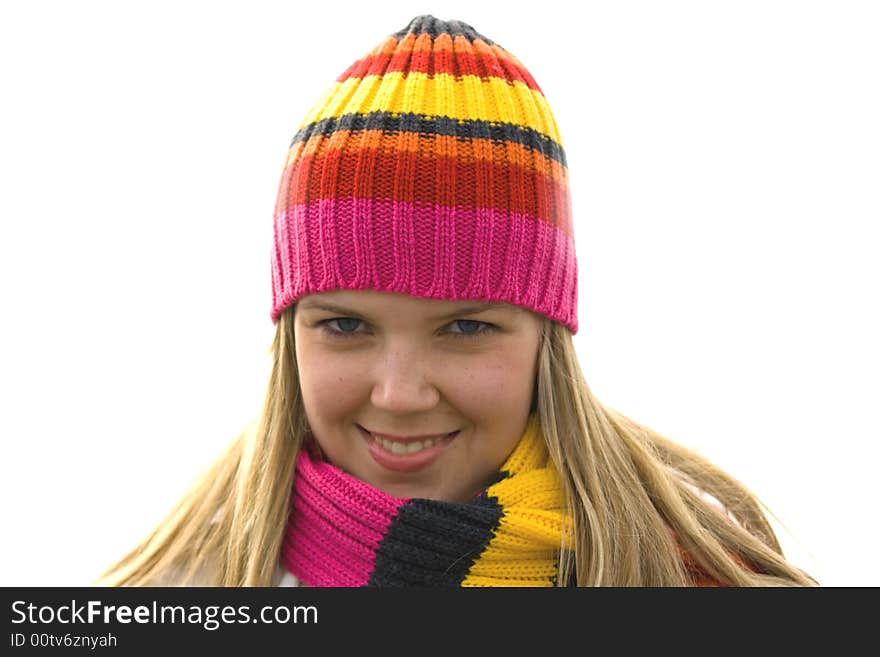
(426, 421)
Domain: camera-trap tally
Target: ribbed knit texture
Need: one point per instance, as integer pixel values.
(432, 167)
(345, 532)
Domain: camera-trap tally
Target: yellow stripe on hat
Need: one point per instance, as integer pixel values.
(466, 98)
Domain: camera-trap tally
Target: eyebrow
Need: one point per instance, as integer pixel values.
(464, 310)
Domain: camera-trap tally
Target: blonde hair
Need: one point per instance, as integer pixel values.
(630, 492)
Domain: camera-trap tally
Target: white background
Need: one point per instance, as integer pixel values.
(724, 160)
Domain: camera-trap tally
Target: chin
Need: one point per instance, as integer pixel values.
(410, 491)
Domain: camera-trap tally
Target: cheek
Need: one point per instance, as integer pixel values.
(329, 382)
(491, 384)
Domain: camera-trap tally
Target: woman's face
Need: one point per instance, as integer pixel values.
(382, 371)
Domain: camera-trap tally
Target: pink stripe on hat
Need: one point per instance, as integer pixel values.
(425, 251)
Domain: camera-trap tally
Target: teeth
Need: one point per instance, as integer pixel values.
(404, 448)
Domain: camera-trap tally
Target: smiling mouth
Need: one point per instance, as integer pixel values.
(407, 447)
(399, 448)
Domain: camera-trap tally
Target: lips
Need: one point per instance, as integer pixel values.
(406, 454)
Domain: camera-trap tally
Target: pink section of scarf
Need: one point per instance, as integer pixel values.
(335, 546)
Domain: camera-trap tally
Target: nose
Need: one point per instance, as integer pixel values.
(403, 382)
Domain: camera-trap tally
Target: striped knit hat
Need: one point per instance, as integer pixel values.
(431, 167)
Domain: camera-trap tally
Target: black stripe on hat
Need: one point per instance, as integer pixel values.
(435, 27)
(435, 125)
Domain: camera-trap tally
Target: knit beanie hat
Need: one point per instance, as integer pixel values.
(432, 167)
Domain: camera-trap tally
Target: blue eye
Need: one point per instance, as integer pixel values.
(347, 325)
(473, 324)
(344, 331)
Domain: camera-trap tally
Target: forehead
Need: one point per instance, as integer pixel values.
(367, 301)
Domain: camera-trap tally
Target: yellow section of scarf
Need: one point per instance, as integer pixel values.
(524, 550)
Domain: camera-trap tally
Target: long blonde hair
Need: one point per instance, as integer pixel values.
(630, 492)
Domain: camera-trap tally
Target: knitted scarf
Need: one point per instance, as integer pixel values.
(345, 532)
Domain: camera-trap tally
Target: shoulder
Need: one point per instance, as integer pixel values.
(284, 577)
(713, 502)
